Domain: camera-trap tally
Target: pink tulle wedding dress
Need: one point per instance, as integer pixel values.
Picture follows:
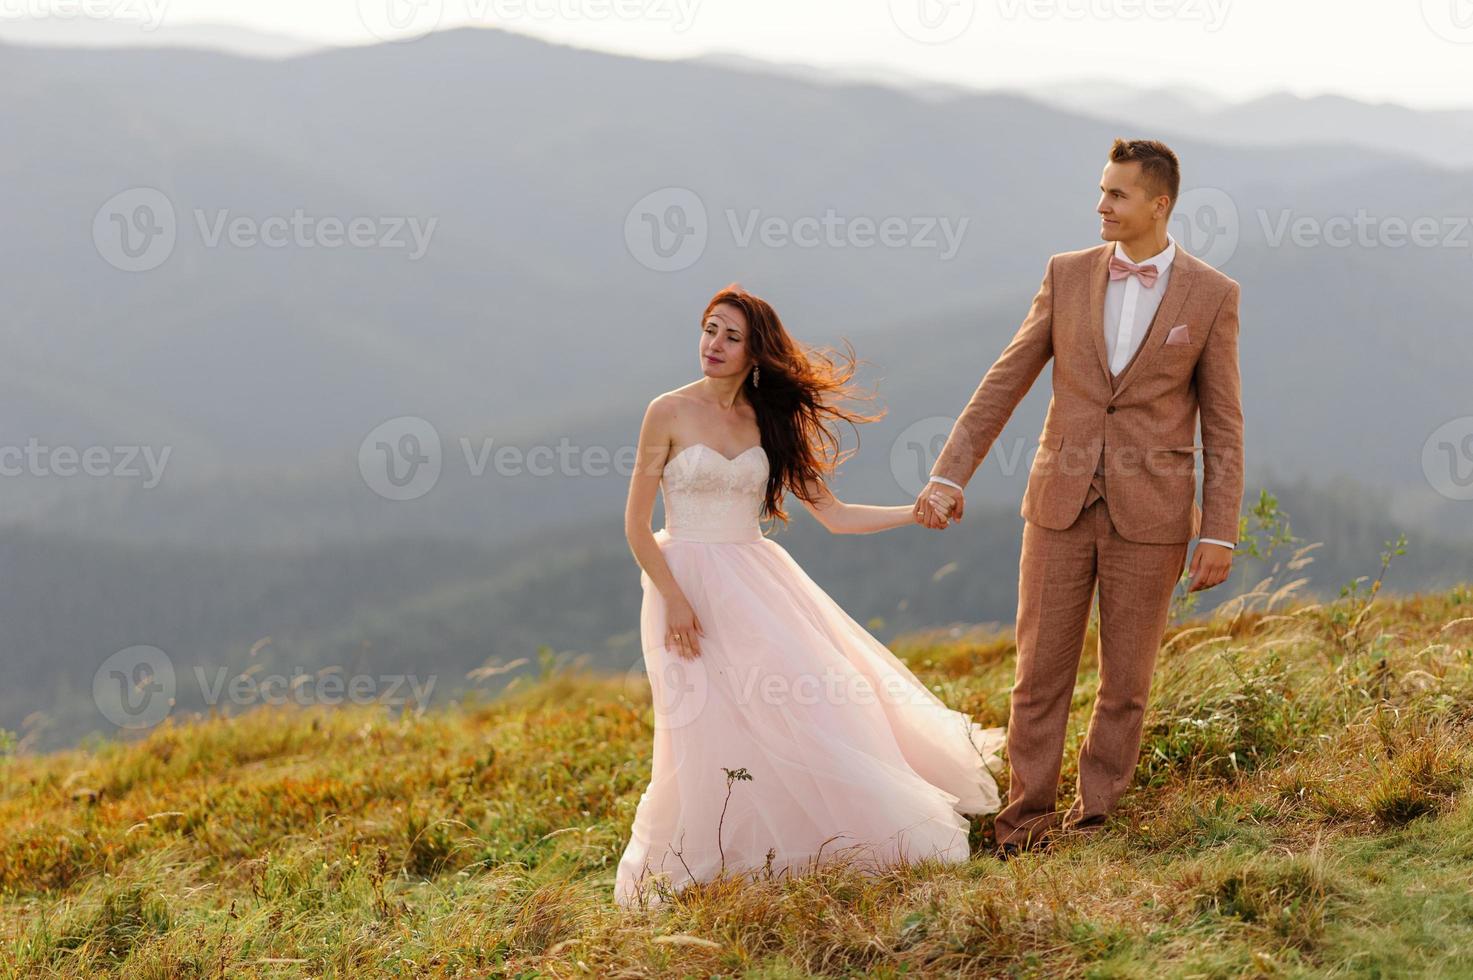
(795, 736)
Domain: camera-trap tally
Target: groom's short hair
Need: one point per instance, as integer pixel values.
(1160, 169)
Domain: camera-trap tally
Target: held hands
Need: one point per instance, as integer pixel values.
(683, 630)
(938, 505)
(1210, 565)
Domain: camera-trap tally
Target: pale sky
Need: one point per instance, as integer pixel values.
(1415, 52)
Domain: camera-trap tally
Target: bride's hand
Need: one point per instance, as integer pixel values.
(937, 506)
(684, 630)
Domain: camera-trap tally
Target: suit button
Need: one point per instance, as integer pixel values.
(1110, 410)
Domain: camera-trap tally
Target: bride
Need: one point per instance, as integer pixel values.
(785, 734)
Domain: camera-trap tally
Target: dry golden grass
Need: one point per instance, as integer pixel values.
(1298, 811)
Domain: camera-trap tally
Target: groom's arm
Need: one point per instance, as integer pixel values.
(1000, 391)
(1220, 402)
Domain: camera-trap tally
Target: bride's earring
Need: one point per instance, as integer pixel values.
(756, 373)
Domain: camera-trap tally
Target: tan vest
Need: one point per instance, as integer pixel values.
(1097, 482)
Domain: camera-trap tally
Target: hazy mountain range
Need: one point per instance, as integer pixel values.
(533, 317)
(1443, 137)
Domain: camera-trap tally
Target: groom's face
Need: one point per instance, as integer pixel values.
(1127, 208)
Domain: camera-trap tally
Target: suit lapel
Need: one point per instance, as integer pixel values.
(1177, 287)
(1099, 277)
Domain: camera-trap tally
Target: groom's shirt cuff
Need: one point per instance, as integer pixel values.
(1225, 544)
(949, 483)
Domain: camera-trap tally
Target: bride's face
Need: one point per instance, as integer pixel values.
(724, 343)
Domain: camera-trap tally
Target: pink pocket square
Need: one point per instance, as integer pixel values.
(1179, 335)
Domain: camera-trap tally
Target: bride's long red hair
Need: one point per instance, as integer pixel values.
(796, 398)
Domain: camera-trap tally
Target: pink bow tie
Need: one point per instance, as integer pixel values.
(1120, 269)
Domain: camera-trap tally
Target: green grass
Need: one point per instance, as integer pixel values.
(1299, 810)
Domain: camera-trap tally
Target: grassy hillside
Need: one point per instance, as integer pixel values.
(442, 607)
(1298, 811)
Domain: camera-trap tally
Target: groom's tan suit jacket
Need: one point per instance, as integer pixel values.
(1132, 432)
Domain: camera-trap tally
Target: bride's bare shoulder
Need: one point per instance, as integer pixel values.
(666, 409)
(683, 393)
(673, 401)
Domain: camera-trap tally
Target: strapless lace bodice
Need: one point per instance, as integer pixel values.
(711, 498)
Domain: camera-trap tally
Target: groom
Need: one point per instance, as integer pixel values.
(1143, 337)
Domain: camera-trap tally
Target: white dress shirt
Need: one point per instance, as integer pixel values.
(1129, 309)
(1130, 306)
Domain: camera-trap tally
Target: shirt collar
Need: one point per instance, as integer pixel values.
(1161, 260)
